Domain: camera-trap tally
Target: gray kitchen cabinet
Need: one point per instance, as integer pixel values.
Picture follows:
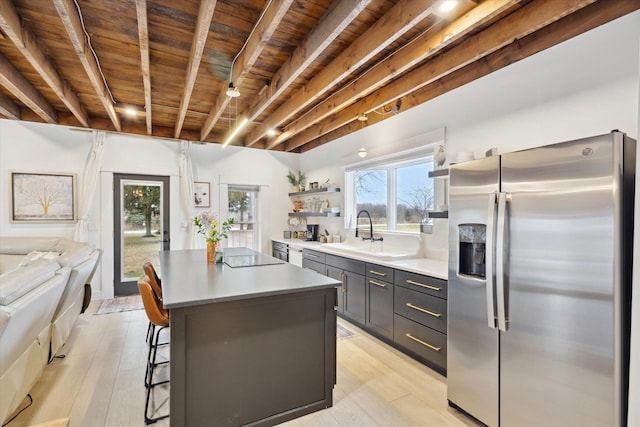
(405, 309)
(351, 273)
(355, 297)
(336, 273)
(380, 299)
(420, 318)
(314, 260)
(280, 250)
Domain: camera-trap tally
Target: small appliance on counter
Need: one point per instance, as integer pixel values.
(312, 232)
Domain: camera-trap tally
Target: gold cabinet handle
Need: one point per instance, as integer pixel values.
(312, 255)
(375, 282)
(377, 273)
(423, 285)
(418, 340)
(344, 285)
(423, 310)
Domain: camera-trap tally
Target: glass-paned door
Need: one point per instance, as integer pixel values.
(243, 207)
(141, 227)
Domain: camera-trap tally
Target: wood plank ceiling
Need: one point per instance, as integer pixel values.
(305, 70)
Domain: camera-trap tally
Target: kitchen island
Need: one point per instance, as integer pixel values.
(253, 344)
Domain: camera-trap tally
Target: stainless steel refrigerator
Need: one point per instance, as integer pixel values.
(540, 260)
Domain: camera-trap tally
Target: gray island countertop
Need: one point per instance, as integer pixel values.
(189, 280)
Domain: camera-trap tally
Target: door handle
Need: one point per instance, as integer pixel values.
(501, 247)
(490, 260)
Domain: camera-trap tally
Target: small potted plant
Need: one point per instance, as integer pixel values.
(297, 181)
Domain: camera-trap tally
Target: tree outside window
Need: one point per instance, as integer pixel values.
(398, 195)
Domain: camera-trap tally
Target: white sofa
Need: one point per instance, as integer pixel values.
(42, 288)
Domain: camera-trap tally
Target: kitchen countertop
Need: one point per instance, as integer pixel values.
(427, 266)
(190, 280)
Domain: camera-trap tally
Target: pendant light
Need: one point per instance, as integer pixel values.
(362, 152)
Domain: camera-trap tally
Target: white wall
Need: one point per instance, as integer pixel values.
(39, 147)
(583, 87)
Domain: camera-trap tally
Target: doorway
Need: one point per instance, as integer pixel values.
(141, 227)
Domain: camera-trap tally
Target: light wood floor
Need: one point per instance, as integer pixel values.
(100, 382)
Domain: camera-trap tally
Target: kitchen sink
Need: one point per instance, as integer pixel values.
(370, 250)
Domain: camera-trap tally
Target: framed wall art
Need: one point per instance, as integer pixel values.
(43, 197)
(201, 194)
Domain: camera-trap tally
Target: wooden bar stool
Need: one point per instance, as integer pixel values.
(159, 317)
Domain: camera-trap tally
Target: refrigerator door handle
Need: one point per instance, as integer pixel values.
(503, 198)
(490, 260)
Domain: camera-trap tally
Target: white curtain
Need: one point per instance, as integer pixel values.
(186, 192)
(89, 185)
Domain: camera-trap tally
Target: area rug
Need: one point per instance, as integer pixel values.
(343, 332)
(118, 304)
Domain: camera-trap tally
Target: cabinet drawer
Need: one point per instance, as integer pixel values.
(318, 267)
(280, 246)
(375, 271)
(424, 342)
(422, 308)
(346, 264)
(420, 283)
(313, 255)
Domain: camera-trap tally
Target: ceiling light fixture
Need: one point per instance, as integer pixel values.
(130, 111)
(232, 91)
(448, 6)
(242, 123)
(362, 152)
(272, 132)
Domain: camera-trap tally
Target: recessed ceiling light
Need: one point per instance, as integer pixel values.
(448, 6)
(130, 111)
(271, 132)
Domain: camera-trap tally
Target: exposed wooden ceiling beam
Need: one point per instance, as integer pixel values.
(205, 14)
(26, 42)
(15, 83)
(8, 108)
(564, 29)
(70, 17)
(396, 22)
(143, 37)
(520, 23)
(329, 27)
(427, 45)
(257, 41)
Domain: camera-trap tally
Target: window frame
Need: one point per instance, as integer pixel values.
(391, 165)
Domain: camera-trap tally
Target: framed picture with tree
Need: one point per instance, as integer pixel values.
(43, 197)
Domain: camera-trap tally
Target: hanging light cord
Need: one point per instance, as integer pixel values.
(247, 40)
(93, 52)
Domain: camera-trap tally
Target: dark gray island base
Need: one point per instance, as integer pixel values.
(250, 345)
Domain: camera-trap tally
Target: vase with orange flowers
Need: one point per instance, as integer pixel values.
(207, 225)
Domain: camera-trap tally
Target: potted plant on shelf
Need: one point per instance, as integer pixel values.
(297, 181)
(207, 225)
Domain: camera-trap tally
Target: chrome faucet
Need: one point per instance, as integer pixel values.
(379, 239)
